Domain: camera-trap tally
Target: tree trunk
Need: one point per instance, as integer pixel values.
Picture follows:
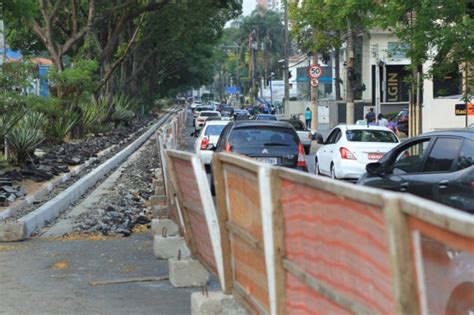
(350, 77)
(337, 69)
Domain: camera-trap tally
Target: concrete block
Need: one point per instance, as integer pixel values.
(160, 211)
(187, 273)
(157, 226)
(168, 247)
(216, 303)
(158, 173)
(159, 200)
(158, 183)
(160, 190)
(13, 231)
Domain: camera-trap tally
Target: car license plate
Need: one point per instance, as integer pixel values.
(375, 156)
(272, 161)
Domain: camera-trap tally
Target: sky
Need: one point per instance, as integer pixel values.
(248, 6)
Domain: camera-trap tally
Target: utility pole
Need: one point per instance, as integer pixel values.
(466, 90)
(378, 107)
(286, 67)
(314, 97)
(350, 77)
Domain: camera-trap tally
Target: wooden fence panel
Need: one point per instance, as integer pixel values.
(443, 246)
(238, 199)
(202, 232)
(336, 254)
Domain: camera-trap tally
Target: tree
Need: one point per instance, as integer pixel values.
(320, 25)
(256, 42)
(440, 29)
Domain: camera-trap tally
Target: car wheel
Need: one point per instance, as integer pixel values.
(333, 172)
(316, 167)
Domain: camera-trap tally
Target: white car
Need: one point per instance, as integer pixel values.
(349, 148)
(210, 134)
(195, 104)
(203, 116)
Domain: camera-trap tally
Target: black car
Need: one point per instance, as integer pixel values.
(271, 142)
(402, 119)
(436, 165)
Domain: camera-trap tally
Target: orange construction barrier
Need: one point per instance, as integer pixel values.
(195, 206)
(238, 195)
(442, 241)
(331, 251)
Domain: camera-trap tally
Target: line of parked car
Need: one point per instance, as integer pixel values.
(437, 165)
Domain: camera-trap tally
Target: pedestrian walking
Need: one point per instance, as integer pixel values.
(307, 116)
(392, 125)
(381, 121)
(370, 117)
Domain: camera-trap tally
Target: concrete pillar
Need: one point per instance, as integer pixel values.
(169, 247)
(215, 303)
(157, 226)
(187, 273)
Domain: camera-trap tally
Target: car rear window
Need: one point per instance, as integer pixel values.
(366, 135)
(298, 125)
(266, 117)
(214, 130)
(207, 114)
(200, 109)
(263, 136)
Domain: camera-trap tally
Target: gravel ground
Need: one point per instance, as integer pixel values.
(124, 205)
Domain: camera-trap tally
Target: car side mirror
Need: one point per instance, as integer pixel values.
(211, 147)
(375, 168)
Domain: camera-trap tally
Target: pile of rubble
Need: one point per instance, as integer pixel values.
(124, 206)
(8, 192)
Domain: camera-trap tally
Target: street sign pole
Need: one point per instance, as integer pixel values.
(314, 90)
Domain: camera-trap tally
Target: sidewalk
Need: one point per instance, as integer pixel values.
(51, 276)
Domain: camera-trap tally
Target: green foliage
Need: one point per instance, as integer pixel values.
(122, 112)
(443, 25)
(16, 76)
(90, 114)
(74, 83)
(12, 109)
(59, 127)
(27, 135)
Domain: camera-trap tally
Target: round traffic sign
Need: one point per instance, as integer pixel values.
(314, 82)
(315, 71)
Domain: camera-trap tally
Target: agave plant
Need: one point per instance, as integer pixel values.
(59, 127)
(122, 112)
(27, 135)
(104, 108)
(90, 115)
(9, 116)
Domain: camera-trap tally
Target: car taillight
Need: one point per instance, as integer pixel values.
(204, 143)
(301, 157)
(346, 154)
(228, 148)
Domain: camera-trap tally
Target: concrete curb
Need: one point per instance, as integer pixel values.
(51, 209)
(49, 186)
